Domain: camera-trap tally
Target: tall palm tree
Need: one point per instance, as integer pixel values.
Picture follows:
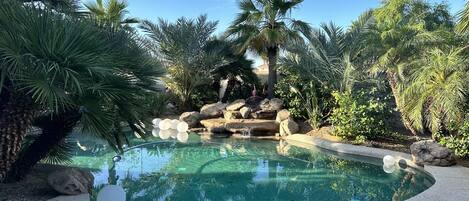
(438, 90)
(266, 26)
(401, 32)
(463, 21)
(112, 13)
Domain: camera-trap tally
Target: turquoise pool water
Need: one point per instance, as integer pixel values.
(230, 169)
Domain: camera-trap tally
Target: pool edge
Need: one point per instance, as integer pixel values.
(451, 183)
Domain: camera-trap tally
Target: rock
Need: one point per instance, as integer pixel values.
(288, 127)
(213, 110)
(264, 114)
(245, 112)
(282, 115)
(274, 104)
(231, 115)
(191, 118)
(236, 105)
(71, 181)
(240, 125)
(254, 102)
(429, 152)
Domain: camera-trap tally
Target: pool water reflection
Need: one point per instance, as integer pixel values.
(229, 169)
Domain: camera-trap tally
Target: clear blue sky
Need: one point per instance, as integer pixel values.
(341, 12)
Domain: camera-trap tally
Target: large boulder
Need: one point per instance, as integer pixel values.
(282, 115)
(71, 181)
(231, 115)
(255, 126)
(254, 102)
(429, 152)
(262, 114)
(288, 127)
(245, 112)
(273, 104)
(191, 118)
(236, 105)
(213, 110)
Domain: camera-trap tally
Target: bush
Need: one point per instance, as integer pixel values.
(360, 116)
(459, 143)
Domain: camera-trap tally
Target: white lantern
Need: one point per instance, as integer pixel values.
(182, 127)
(389, 160)
(173, 133)
(165, 124)
(165, 134)
(174, 124)
(389, 168)
(155, 132)
(156, 122)
(182, 137)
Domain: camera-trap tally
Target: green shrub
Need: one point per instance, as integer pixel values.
(359, 115)
(156, 104)
(459, 143)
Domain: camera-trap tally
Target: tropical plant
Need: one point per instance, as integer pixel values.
(437, 90)
(458, 141)
(112, 13)
(359, 115)
(74, 70)
(266, 26)
(463, 20)
(403, 29)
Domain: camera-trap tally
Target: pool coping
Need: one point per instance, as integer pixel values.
(451, 183)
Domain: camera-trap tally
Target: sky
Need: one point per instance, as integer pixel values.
(341, 12)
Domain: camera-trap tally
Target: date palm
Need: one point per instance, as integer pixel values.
(265, 27)
(463, 21)
(112, 13)
(438, 90)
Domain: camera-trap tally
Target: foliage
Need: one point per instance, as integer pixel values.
(358, 115)
(155, 104)
(437, 89)
(110, 14)
(463, 20)
(459, 142)
(265, 27)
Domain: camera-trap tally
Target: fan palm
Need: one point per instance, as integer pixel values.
(72, 66)
(112, 13)
(438, 90)
(266, 26)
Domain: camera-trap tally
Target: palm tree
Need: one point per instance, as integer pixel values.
(113, 13)
(463, 21)
(73, 67)
(399, 36)
(438, 90)
(266, 26)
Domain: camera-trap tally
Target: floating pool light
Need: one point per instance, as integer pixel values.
(116, 158)
(156, 122)
(165, 124)
(182, 127)
(389, 160)
(155, 132)
(165, 134)
(389, 168)
(173, 133)
(182, 137)
(174, 124)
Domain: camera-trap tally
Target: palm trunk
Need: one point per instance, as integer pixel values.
(54, 130)
(272, 80)
(16, 117)
(396, 94)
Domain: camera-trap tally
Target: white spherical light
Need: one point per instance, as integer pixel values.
(174, 124)
(182, 137)
(173, 133)
(389, 160)
(182, 127)
(165, 124)
(165, 134)
(155, 132)
(156, 122)
(389, 168)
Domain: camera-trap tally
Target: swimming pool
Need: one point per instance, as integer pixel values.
(233, 169)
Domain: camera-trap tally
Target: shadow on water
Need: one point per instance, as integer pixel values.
(228, 169)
